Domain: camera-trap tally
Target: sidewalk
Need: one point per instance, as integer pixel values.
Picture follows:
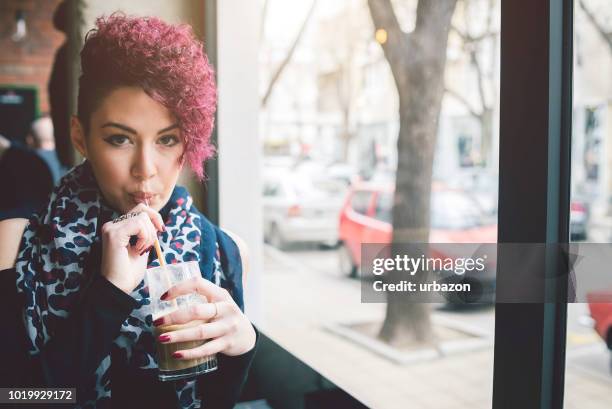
(300, 302)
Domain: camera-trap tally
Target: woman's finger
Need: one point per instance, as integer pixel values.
(152, 230)
(199, 332)
(142, 225)
(211, 347)
(201, 311)
(142, 233)
(198, 285)
(147, 233)
(154, 215)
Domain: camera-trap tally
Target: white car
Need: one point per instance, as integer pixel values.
(300, 209)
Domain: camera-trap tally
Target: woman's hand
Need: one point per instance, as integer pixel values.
(122, 264)
(226, 328)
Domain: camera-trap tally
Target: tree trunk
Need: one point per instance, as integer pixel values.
(417, 61)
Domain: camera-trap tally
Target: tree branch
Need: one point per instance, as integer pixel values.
(464, 36)
(490, 16)
(479, 79)
(264, 15)
(431, 12)
(472, 41)
(607, 36)
(397, 48)
(287, 58)
(464, 101)
(384, 17)
(468, 38)
(473, 50)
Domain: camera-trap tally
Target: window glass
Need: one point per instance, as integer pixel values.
(384, 207)
(331, 121)
(271, 188)
(360, 202)
(454, 211)
(588, 380)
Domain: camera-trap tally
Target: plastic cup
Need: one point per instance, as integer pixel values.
(159, 280)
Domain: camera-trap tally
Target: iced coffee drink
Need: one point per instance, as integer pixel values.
(159, 279)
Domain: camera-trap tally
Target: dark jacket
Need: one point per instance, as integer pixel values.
(85, 338)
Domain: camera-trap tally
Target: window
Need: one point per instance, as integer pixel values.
(589, 334)
(271, 189)
(335, 108)
(360, 202)
(384, 207)
(528, 371)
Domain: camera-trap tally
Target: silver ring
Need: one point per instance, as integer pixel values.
(216, 311)
(126, 216)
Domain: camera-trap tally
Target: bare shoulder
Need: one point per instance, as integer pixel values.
(11, 231)
(244, 252)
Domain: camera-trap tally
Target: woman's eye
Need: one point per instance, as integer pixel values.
(168, 140)
(118, 140)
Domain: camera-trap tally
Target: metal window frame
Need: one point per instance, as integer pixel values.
(211, 167)
(534, 178)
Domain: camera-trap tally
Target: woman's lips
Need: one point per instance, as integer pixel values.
(142, 197)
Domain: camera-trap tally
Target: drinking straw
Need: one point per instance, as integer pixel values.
(162, 261)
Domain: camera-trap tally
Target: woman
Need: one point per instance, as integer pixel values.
(145, 107)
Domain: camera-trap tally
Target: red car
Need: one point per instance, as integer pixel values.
(601, 311)
(366, 218)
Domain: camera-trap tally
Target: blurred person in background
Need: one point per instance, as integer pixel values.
(59, 84)
(42, 141)
(5, 144)
(26, 176)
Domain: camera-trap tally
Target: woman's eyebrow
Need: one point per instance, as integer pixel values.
(168, 128)
(132, 131)
(116, 125)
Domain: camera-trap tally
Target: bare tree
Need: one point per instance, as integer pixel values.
(417, 60)
(264, 16)
(605, 33)
(341, 51)
(283, 64)
(345, 96)
(473, 44)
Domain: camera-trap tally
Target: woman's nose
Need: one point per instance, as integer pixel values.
(144, 166)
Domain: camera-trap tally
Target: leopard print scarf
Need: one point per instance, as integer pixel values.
(51, 270)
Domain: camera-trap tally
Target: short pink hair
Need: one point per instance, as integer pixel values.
(167, 61)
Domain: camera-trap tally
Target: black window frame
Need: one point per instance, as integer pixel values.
(534, 188)
(211, 167)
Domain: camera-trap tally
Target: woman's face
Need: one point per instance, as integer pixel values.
(135, 148)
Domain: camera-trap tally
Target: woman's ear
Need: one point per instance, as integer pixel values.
(77, 135)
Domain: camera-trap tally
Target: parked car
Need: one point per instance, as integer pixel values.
(481, 186)
(578, 220)
(367, 215)
(601, 312)
(342, 172)
(298, 208)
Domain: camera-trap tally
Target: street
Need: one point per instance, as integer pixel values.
(314, 270)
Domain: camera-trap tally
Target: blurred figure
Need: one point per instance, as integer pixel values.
(5, 144)
(41, 134)
(59, 85)
(42, 141)
(27, 172)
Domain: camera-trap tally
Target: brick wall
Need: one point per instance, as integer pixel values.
(29, 61)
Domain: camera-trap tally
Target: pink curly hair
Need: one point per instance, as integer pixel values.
(167, 61)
